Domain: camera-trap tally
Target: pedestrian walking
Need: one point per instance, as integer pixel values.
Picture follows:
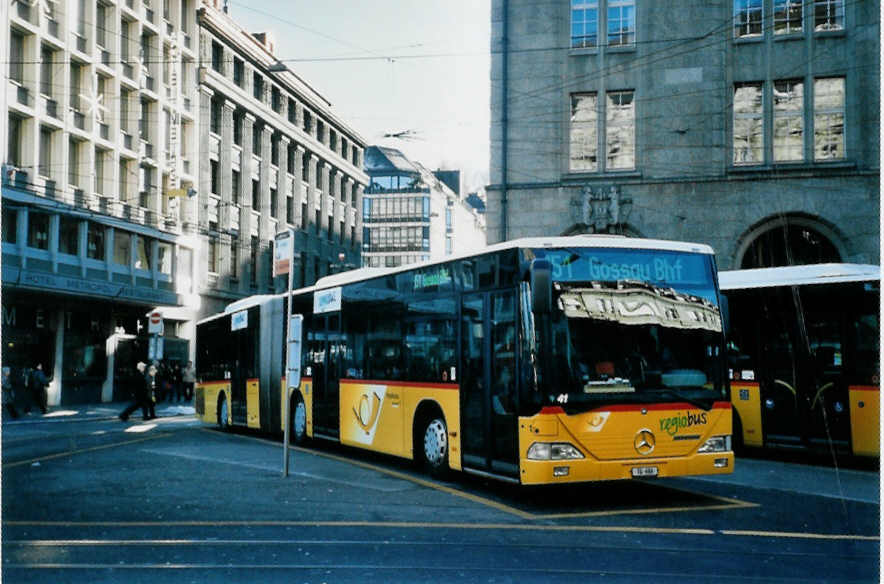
(188, 377)
(8, 394)
(142, 395)
(178, 381)
(37, 383)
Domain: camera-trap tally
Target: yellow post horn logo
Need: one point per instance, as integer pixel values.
(367, 414)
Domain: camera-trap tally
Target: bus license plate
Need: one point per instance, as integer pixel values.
(644, 471)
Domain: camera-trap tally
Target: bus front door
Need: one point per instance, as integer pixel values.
(488, 388)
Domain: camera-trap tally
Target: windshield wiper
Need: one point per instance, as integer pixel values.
(701, 403)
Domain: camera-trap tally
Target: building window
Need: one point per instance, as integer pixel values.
(69, 235)
(238, 121)
(253, 259)
(45, 168)
(274, 151)
(142, 252)
(788, 121)
(276, 100)
(234, 260)
(747, 18)
(305, 168)
(46, 71)
(343, 231)
(215, 117)
(256, 194)
(238, 71)
(216, 182)
(828, 15)
(122, 243)
(13, 142)
(164, 258)
(828, 118)
(273, 202)
(748, 124)
(318, 223)
(213, 255)
(308, 122)
(304, 216)
(584, 132)
(787, 16)
(73, 163)
(10, 225)
(217, 57)
(621, 23)
(38, 230)
(235, 186)
(258, 86)
(620, 130)
(257, 132)
(95, 241)
(584, 24)
(290, 210)
(16, 56)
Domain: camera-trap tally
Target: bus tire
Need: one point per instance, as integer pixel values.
(434, 445)
(223, 414)
(298, 430)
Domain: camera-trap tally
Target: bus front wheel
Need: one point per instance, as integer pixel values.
(435, 445)
(222, 413)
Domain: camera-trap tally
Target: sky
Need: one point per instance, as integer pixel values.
(421, 67)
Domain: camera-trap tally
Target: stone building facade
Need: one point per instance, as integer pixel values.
(275, 157)
(739, 124)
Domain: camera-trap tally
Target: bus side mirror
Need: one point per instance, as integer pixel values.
(541, 286)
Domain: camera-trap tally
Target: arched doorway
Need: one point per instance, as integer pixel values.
(789, 241)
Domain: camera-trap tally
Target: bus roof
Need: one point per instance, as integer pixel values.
(593, 240)
(797, 276)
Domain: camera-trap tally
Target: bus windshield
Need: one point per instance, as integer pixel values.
(631, 326)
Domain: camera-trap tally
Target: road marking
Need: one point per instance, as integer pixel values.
(440, 525)
(82, 450)
(800, 535)
(725, 502)
(267, 467)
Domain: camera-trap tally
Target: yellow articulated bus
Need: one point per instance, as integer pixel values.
(536, 361)
(804, 356)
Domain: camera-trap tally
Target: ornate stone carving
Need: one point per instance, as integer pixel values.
(600, 208)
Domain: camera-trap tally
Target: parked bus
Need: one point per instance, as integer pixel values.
(804, 356)
(536, 361)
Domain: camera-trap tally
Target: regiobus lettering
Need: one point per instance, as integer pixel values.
(672, 425)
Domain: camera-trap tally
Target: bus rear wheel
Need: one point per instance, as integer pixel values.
(435, 446)
(223, 414)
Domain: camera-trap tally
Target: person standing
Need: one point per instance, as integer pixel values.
(8, 393)
(177, 382)
(38, 383)
(141, 394)
(188, 376)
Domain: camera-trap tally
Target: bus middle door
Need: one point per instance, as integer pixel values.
(323, 342)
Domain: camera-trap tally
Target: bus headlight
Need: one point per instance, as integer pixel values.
(553, 451)
(716, 444)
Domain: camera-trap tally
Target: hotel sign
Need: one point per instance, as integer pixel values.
(80, 286)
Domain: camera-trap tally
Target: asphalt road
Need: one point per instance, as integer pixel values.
(170, 501)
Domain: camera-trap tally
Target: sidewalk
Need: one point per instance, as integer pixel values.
(93, 412)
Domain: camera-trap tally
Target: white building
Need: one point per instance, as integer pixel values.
(120, 157)
(409, 215)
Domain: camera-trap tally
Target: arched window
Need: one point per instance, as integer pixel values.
(788, 245)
